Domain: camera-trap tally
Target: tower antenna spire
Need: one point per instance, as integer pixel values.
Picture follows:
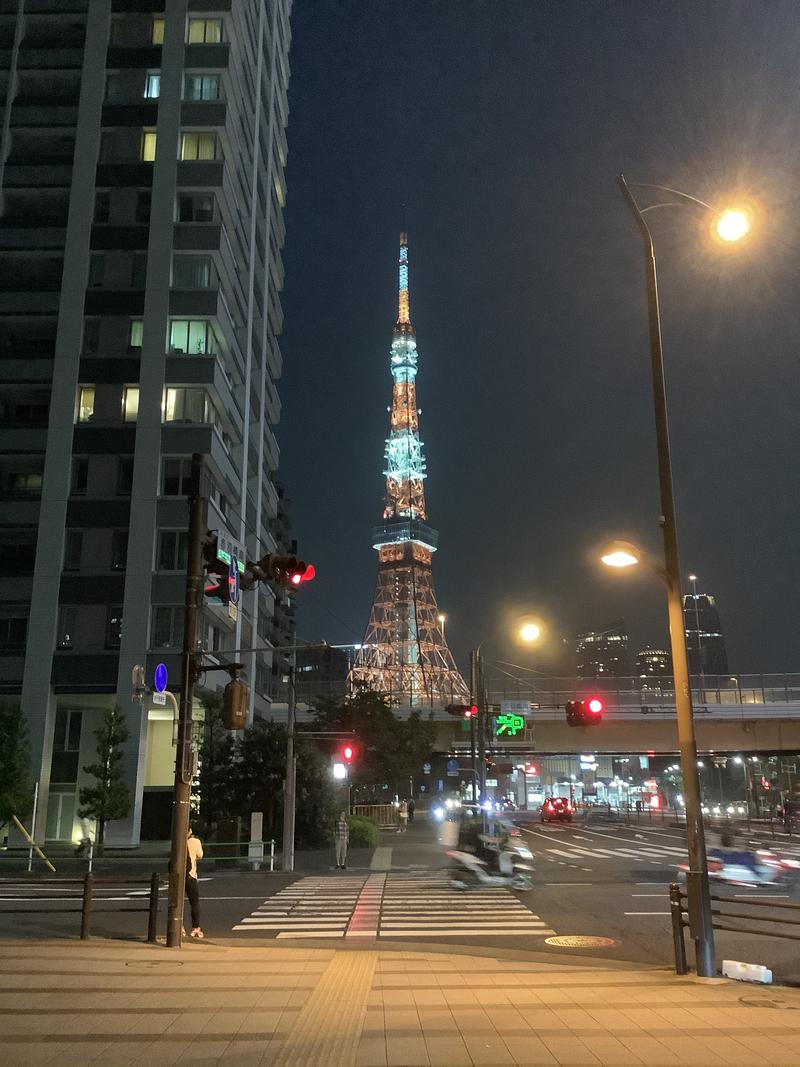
(403, 304)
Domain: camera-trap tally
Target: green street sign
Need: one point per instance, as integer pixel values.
(510, 724)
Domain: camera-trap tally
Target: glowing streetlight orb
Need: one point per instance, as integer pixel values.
(620, 554)
(530, 631)
(732, 225)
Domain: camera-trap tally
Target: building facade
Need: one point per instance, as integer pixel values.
(653, 663)
(705, 642)
(141, 175)
(602, 653)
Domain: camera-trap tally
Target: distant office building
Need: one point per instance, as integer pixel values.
(602, 653)
(653, 663)
(142, 189)
(705, 643)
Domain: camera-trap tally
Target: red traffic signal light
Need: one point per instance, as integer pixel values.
(348, 753)
(463, 711)
(586, 712)
(595, 706)
(301, 572)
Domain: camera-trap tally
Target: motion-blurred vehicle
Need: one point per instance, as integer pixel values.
(500, 862)
(741, 867)
(556, 809)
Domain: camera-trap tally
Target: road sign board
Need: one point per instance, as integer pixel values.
(233, 581)
(515, 707)
(160, 678)
(510, 724)
(452, 768)
(227, 546)
(426, 768)
(160, 699)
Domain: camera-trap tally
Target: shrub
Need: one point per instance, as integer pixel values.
(363, 832)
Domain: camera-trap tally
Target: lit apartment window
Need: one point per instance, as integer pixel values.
(186, 405)
(197, 146)
(157, 31)
(85, 403)
(201, 87)
(152, 86)
(172, 550)
(191, 272)
(193, 336)
(148, 149)
(130, 403)
(204, 31)
(167, 627)
(137, 329)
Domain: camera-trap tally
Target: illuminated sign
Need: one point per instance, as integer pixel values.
(510, 724)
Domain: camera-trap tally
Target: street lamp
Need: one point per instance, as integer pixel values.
(529, 632)
(730, 226)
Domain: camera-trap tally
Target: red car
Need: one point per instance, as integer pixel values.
(556, 809)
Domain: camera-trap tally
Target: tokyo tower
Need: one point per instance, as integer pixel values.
(404, 653)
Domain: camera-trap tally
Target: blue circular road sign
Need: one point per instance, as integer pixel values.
(160, 678)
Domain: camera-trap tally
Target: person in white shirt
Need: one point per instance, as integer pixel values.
(194, 852)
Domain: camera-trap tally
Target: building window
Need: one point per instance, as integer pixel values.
(67, 626)
(187, 405)
(198, 146)
(191, 272)
(137, 329)
(85, 403)
(148, 147)
(97, 265)
(114, 626)
(172, 550)
(124, 475)
(167, 627)
(73, 545)
(152, 86)
(193, 336)
(201, 87)
(80, 475)
(66, 746)
(91, 335)
(130, 403)
(26, 482)
(204, 31)
(138, 270)
(196, 208)
(119, 550)
(102, 207)
(143, 198)
(12, 634)
(176, 477)
(157, 31)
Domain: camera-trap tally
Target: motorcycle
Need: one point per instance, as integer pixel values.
(514, 868)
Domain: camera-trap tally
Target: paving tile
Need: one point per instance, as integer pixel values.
(447, 1051)
(406, 1052)
(609, 1050)
(371, 1052)
(690, 1051)
(569, 1050)
(731, 1050)
(487, 1049)
(529, 1050)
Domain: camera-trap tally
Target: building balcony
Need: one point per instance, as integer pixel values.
(33, 236)
(26, 174)
(46, 114)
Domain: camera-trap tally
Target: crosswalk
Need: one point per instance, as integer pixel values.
(412, 906)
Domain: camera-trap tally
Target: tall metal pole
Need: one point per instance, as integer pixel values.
(473, 696)
(700, 919)
(290, 785)
(700, 665)
(184, 763)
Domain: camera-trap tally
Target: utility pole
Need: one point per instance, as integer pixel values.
(473, 690)
(290, 782)
(184, 756)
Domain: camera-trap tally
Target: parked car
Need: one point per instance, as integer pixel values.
(556, 809)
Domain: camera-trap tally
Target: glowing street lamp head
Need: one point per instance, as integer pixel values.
(620, 554)
(732, 225)
(529, 631)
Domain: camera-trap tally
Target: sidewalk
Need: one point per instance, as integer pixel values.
(107, 1003)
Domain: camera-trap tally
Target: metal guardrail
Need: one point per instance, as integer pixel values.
(680, 920)
(82, 889)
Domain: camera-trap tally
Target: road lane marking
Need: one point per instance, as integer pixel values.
(646, 913)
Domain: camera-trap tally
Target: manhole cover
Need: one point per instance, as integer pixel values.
(146, 964)
(579, 941)
(766, 1002)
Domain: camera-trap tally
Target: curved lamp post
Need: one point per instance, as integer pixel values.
(729, 226)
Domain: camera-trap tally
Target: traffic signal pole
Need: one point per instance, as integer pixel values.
(473, 692)
(290, 782)
(184, 762)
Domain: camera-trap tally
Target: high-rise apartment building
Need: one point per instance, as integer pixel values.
(602, 653)
(705, 642)
(141, 225)
(653, 663)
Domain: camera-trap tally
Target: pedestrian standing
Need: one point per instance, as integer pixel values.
(85, 845)
(341, 838)
(194, 852)
(412, 807)
(402, 815)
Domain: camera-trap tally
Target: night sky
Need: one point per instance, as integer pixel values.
(501, 127)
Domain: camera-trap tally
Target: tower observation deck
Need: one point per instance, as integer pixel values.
(404, 653)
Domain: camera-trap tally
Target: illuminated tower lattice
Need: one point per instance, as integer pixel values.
(404, 653)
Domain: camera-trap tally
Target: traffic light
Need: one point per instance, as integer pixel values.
(348, 753)
(462, 711)
(235, 698)
(586, 712)
(288, 570)
(221, 588)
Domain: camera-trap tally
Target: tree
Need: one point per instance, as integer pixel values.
(110, 798)
(214, 774)
(16, 793)
(256, 783)
(390, 749)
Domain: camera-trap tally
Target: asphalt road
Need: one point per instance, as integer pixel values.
(601, 880)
